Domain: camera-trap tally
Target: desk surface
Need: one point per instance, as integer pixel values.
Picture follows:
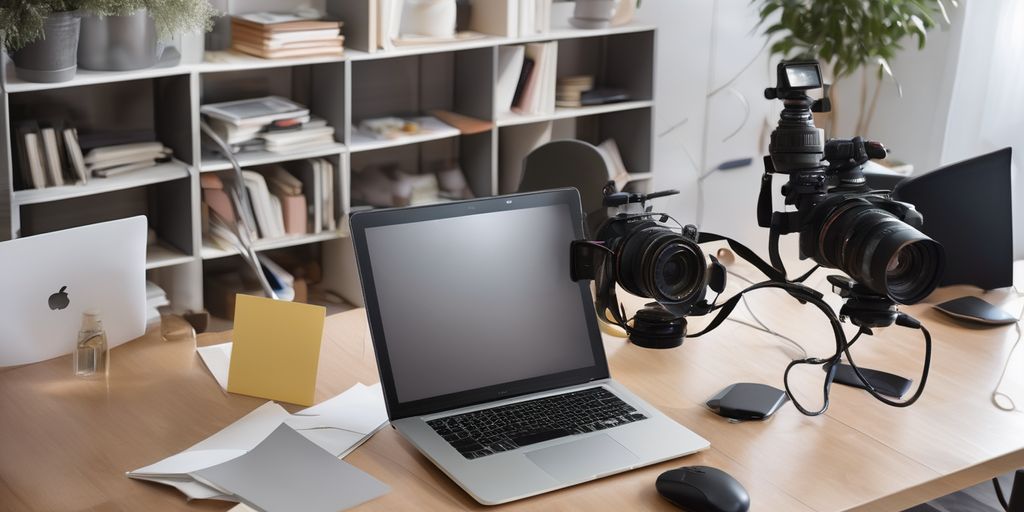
(65, 444)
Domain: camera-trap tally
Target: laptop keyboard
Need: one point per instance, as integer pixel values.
(480, 433)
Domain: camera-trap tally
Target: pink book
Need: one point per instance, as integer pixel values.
(295, 217)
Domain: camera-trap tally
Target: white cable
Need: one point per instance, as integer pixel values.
(1009, 406)
(760, 325)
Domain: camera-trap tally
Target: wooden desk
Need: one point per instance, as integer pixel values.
(65, 443)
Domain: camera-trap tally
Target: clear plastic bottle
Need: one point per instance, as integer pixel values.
(90, 356)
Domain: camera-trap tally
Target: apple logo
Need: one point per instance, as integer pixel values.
(60, 299)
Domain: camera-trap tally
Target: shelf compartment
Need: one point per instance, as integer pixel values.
(254, 158)
(161, 255)
(437, 130)
(157, 174)
(210, 252)
(512, 119)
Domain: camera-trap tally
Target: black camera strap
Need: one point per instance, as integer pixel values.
(745, 253)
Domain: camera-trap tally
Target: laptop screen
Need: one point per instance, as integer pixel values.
(477, 299)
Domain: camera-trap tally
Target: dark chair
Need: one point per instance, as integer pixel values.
(569, 163)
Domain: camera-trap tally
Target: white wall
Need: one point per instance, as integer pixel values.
(690, 33)
(702, 47)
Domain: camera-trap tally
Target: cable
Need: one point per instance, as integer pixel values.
(996, 394)
(241, 199)
(999, 494)
(761, 325)
(904, 320)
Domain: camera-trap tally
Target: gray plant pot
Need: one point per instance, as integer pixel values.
(591, 14)
(52, 58)
(118, 43)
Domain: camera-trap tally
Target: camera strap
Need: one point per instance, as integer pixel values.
(746, 253)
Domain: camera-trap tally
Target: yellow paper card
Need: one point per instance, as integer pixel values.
(276, 349)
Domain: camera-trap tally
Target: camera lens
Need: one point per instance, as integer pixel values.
(658, 263)
(878, 250)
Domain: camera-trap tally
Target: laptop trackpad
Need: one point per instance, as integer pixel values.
(584, 459)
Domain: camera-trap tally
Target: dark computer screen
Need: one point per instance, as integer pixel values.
(967, 207)
(478, 300)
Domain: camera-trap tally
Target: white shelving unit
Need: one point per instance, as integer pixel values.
(165, 100)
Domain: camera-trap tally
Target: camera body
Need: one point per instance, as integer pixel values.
(638, 250)
(842, 223)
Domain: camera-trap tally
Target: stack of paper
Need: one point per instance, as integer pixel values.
(113, 160)
(155, 297)
(271, 123)
(280, 35)
(336, 427)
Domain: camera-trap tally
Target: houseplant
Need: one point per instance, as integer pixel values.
(41, 37)
(119, 35)
(846, 35)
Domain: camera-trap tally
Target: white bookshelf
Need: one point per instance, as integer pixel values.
(456, 76)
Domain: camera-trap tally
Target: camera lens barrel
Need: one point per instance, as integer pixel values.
(656, 262)
(875, 248)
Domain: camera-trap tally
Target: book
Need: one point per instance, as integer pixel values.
(51, 155)
(327, 168)
(242, 31)
(123, 151)
(286, 53)
(281, 182)
(122, 169)
(308, 172)
(254, 111)
(282, 22)
(74, 153)
(31, 172)
(524, 77)
(267, 214)
(270, 44)
(510, 66)
(34, 157)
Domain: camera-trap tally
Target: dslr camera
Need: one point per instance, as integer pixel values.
(640, 251)
(842, 223)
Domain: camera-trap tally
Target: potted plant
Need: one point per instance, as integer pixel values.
(119, 35)
(846, 36)
(41, 37)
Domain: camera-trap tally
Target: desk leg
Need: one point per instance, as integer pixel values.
(1017, 494)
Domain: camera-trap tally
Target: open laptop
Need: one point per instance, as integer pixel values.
(49, 280)
(490, 356)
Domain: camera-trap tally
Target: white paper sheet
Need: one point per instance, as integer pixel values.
(217, 359)
(338, 425)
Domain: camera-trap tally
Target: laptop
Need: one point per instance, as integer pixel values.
(51, 279)
(490, 356)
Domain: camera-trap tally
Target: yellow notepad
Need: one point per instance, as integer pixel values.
(276, 349)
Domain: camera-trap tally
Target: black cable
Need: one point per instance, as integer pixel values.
(999, 494)
(906, 321)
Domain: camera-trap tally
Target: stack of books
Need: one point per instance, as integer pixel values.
(50, 154)
(579, 91)
(271, 123)
(285, 201)
(110, 161)
(570, 89)
(275, 36)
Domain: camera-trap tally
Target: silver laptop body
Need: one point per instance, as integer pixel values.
(477, 328)
(49, 280)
